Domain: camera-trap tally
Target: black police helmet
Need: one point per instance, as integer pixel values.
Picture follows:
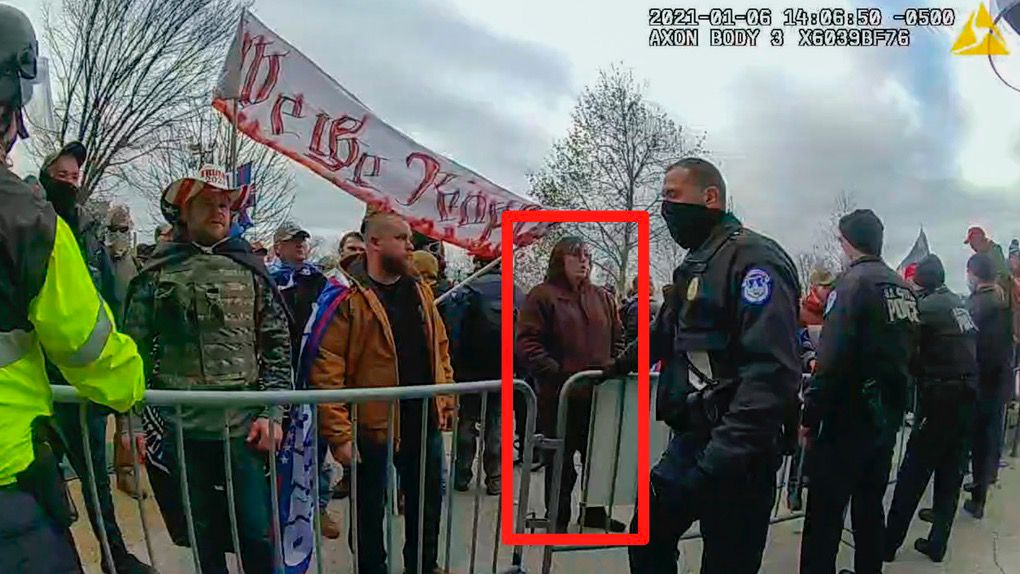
(18, 61)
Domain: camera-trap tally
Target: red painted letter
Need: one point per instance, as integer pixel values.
(276, 118)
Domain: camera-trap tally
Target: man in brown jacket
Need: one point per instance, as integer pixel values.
(568, 325)
(387, 333)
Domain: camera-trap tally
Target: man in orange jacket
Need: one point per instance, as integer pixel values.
(386, 333)
(812, 306)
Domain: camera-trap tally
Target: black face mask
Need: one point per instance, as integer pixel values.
(690, 224)
(63, 196)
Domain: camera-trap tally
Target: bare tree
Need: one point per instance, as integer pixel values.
(204, 137)
(826, 252)
(613, 157)
(124, 71)
(666, 256)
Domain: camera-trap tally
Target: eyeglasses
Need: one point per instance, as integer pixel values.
(118, 228)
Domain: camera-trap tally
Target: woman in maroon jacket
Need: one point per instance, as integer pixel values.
(568, 325)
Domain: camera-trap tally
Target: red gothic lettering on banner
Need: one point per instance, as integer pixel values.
(278, 97)
(259, 43)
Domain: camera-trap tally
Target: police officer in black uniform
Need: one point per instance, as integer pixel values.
(855, 402)
(945, 368)
(989, 307)
(727, 336)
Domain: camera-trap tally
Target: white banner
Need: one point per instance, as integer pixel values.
(286, 102)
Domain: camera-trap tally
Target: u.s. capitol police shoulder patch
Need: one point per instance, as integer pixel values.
(830, 302)
(757, 287)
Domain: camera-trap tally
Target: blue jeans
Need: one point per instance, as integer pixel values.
(372, 492)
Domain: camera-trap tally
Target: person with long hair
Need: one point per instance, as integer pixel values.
(568, 325)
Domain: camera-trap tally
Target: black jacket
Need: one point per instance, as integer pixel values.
(28, 226)
(866, 347)
(629, 317)
(947, 346)
(733, 315)
(994, 344)
(300, 297)
(472, 316)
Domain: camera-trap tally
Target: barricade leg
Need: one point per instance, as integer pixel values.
(142, 516)
(319, 557)
(228, 470)
(391, 481)
(530, 403)
(495, 542)
(422, 458)
(356, 520)
(454, 463)
(478, 484)
(182, 472)
(90, 480)
(274, 494)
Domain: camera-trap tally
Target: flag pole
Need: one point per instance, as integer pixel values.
(485, 269)
(232, 159)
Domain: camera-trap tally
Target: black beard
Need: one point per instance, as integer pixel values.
(395, 265)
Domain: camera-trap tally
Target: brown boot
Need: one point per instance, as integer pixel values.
(330, 529)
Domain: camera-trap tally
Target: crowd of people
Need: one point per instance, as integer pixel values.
(752, 367)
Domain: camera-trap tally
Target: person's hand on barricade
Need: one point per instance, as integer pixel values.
(264, 434)
(806, 437)
(447, 406)
(125, 443)
(344, 453)
(610, 370)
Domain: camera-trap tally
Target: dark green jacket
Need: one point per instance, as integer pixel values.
(163, 324)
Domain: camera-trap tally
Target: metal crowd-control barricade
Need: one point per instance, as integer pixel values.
(659, 437)
(227, 400)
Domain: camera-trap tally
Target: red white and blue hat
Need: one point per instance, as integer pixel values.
(180, 192)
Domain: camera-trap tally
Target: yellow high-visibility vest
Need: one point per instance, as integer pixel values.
(74, 325)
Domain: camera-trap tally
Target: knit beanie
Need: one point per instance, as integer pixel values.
(863, 229)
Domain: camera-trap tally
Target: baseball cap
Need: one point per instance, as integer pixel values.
(74, 149)
(973, 233)
(289, 230)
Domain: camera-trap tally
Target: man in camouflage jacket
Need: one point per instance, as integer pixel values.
(206, 316)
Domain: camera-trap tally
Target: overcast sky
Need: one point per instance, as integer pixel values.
(920, 136)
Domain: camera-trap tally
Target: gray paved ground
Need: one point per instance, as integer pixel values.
(990, 546)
